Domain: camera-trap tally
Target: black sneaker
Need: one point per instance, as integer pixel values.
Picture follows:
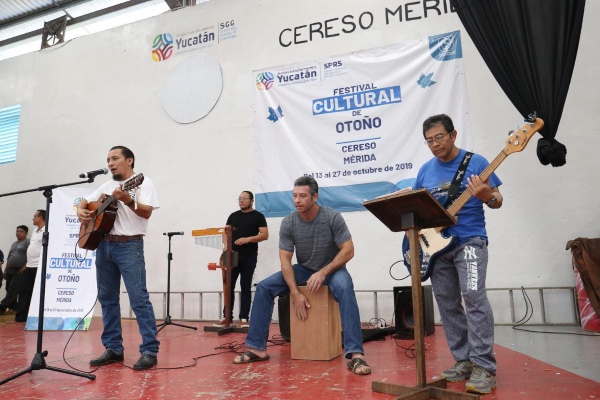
(146, 361)
(108, 357)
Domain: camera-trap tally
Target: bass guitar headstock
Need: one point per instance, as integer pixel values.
(517, 140)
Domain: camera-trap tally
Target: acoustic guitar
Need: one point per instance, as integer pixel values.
(433, 243)
(105, 212)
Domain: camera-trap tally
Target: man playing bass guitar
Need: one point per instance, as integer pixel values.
(121, 254)
(460, 273)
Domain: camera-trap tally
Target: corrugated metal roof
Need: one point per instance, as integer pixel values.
(10, 9)
(21, 21)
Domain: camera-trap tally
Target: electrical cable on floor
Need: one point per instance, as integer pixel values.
(277, 340)
(409, 351)
(529, 314)
(231, 347)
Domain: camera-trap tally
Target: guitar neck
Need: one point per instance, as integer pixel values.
(466, 195)
(516, 142)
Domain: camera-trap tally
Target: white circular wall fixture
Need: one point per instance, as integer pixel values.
(192, 88)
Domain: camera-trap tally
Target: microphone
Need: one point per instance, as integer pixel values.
(173, 233)
(95, 173)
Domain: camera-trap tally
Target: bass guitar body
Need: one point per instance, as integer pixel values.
(93, 232)
(432, 245)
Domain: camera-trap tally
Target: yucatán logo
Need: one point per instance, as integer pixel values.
(297, 76)
(264, 80)
(162, 47)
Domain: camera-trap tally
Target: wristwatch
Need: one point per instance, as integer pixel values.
(492, 201)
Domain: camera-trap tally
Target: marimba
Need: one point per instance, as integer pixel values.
(221, 238)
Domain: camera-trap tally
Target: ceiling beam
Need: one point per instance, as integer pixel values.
(175, 4)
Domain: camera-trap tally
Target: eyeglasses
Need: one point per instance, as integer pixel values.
(437, 138)
(243, 198)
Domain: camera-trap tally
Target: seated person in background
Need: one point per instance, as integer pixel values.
(323, 246)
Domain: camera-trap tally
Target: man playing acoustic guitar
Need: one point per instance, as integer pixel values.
(460, 273)
(121, 253)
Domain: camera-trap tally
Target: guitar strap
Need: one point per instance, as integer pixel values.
(458, 177)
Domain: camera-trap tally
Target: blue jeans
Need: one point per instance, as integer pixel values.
(126, 259)
(245, 270)
(341, 288)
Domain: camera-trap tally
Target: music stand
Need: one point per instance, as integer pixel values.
(168, 316)
(227, 262)
(411, 211)
(38, 361)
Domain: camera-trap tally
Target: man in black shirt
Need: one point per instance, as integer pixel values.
(248, 228)
(15, 266)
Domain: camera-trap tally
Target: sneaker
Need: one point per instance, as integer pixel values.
(459, 371)
(244, 323)
(221, 323)
(481, 381)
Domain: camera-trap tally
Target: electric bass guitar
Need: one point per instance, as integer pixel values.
(432, 242)
(105, 212)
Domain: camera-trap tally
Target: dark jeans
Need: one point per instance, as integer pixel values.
(13, 287)
(27, 283)
(245, 269)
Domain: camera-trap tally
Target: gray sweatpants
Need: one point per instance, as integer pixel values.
(458, 276)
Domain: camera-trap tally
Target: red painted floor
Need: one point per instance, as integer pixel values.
(197, 365)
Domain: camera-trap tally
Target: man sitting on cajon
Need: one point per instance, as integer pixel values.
(323, 246)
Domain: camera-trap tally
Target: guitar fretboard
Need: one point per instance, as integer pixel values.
(516, 142)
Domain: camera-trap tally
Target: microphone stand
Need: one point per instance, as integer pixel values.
(168, 317)
(38, 361)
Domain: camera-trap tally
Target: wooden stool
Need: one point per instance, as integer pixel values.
(319, 336)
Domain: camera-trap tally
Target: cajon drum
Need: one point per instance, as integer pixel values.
(319, 336)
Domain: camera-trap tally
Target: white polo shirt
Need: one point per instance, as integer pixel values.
(34, 251)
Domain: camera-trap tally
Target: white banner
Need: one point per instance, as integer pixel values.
(354, 121)
(70, 278)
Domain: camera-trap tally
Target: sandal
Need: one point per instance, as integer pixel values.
(356, 363)
(249, 357)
